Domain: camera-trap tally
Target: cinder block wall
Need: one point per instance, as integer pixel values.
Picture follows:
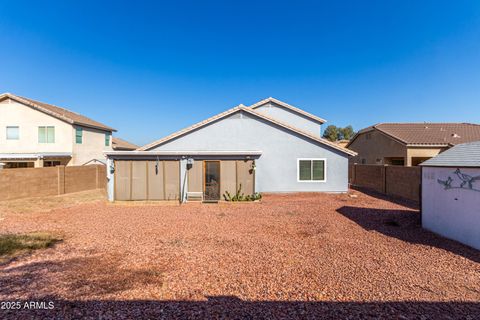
(403, 182)
(369, 176)
(39, 182)
(80, 178)
(396, 181)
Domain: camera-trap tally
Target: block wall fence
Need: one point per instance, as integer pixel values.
(51, 181)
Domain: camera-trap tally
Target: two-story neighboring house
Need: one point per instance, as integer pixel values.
(36, 134)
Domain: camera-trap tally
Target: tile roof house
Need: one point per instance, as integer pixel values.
(37, 134)
(409, 144)
(122, 145)
(270, 146)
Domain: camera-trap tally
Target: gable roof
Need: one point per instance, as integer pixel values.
(423, 134)
(248, 110)
(120, 144)
(462, 155)
(288, 106)
(58, 112)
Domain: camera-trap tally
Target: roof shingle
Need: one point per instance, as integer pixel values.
(120, 144)
(441, 134)
(462, 155)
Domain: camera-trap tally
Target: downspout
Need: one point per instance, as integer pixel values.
(183, 193)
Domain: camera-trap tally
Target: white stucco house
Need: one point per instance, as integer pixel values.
(270, 146)
(37, 134)
(451, 194)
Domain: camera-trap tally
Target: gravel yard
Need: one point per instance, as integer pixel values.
(303, 255)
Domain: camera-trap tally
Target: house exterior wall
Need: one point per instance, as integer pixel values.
(28, 120)
(276, 169)
(453, 213)
(413, 152)
(377, 146)
(92, 146)
(291, 118)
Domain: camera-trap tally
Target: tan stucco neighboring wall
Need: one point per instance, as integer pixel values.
(378, 146)
(381, 146)
(28, 120)
(92, 146)
(419, 152)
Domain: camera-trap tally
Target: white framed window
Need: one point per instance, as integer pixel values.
(311, 170)
(13, 133)
(46, 134)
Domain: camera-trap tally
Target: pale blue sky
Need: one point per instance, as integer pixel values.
(149, 68)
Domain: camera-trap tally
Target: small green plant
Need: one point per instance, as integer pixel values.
(240, 196)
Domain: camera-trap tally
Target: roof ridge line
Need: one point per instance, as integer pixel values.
(288, 106)
(49, 109)
(249, 110)
(295, 129)
(189, 128)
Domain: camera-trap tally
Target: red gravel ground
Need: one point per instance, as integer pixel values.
(290, 256)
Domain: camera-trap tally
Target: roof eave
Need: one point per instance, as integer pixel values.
(185, 153)
(54, 114)
(94, 127)
(428, 145)
(323, 141)
(250, 111)
(288, 106)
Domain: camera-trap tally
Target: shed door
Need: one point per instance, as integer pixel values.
(212, 180)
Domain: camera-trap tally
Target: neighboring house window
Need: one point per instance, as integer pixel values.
(368, 136)
(13, 133)
(78, 135)
(52, 163)
(313, 170)
(46, 134)
(107, 139)
(14, 165)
